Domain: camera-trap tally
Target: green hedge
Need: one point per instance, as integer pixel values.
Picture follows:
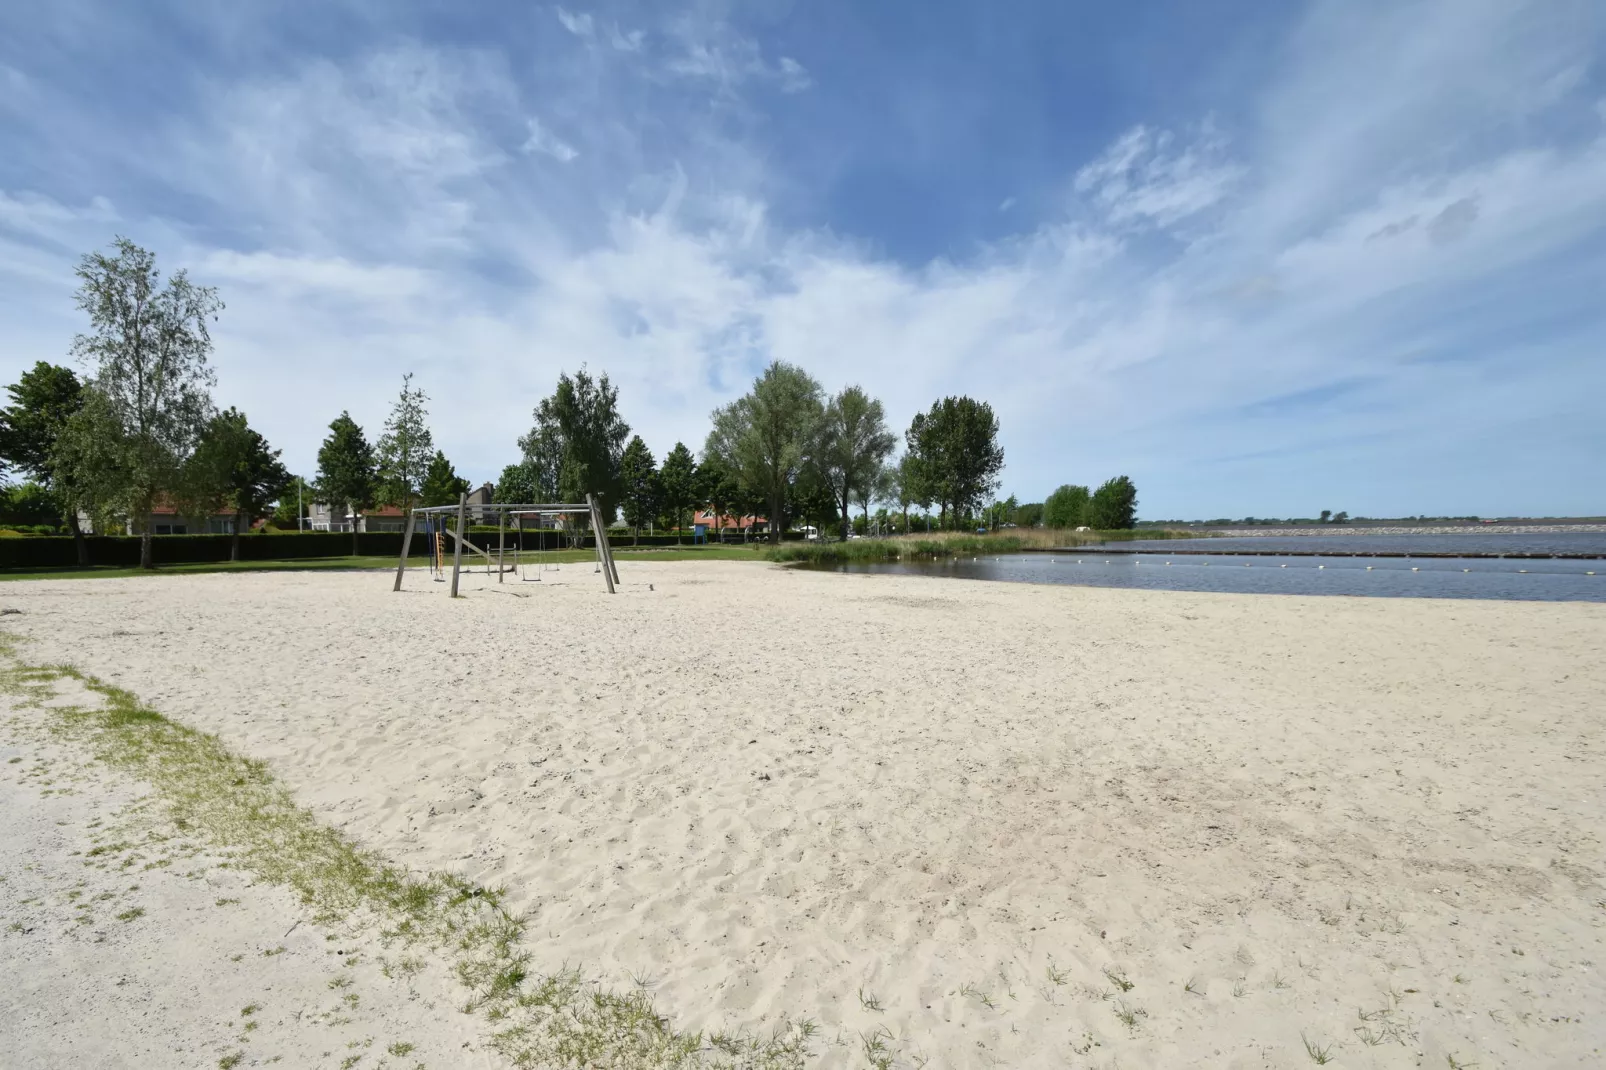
(56, 551)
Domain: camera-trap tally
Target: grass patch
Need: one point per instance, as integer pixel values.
(906, 547)
(1319, 1055)
(954, 544)
(234, 802)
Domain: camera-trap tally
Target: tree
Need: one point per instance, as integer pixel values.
(516, 486)
(30, 504)
(853, 445)
(43, 399)
(442, 485)
(1326, 513)
(957, 451)
(291, 507)
(1029, 515)
(1114, 505)
(1341, 517)
(148, 396)
(912, 486)
(718, 489)
(764, 437)
(999, 513)
(346, 476)
(638, 485)
(578, 440)
(404, 449)
(232, 467)
(812, 501)
(1066, 507)
(677, 481)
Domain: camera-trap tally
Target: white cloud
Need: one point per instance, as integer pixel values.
(1146, 176)
(374, 216)
(711, 50)
(545, 141)
(625, 42)
(794, 79)
(579, 25)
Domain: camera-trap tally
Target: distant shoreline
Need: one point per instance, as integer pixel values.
(1426, 529)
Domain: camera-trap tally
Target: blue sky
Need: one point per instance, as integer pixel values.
(1263, 258)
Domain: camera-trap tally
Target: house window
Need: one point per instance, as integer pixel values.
(170, 529)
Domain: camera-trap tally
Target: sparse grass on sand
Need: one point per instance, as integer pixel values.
(726, 552)
(557, 1019)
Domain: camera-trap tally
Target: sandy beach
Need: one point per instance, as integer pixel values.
(995, 824)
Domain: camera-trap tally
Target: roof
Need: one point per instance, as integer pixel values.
(164, 507)
(726, 521)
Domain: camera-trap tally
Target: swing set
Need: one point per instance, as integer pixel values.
(528, 563)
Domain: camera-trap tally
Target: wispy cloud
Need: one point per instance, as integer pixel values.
(1152, 176)
(579, 25)
(545, 141)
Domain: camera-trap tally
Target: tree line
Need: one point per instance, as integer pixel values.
(139, 429)
(1114, 505)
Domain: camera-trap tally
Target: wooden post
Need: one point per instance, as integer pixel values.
(457, 550)
(501, 542)
(607, 548)
(407, 542)
(601, 536)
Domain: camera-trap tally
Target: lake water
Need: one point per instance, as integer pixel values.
(1479, 542)
(1389, 577)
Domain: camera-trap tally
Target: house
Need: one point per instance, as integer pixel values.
(164, 519)
(393, 517)
(379, 518)
(746, 526)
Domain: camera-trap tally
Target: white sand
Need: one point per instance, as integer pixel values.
(126, 945)
(771, 791)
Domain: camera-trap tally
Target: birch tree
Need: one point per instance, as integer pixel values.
(148, 397)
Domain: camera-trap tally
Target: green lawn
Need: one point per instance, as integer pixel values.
(622, 554)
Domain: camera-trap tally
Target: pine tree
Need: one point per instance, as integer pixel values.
(442, 485)
(346, 474)
(405, 447)
(678, 480)
(638, 485)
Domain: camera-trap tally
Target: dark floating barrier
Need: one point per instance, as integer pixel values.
(1173, 552)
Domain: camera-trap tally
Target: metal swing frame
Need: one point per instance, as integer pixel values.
(496, 558)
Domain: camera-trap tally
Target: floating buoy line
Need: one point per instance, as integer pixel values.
(1323, 566)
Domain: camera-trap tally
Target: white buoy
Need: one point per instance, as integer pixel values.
(1589, 573)
(1522, 571)
(1283, 565)
(1368, 568)
(1466, 570)
(1415, 569)
(1321, 566)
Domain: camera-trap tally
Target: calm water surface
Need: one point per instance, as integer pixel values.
(1391, 577)
(1493, 542)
